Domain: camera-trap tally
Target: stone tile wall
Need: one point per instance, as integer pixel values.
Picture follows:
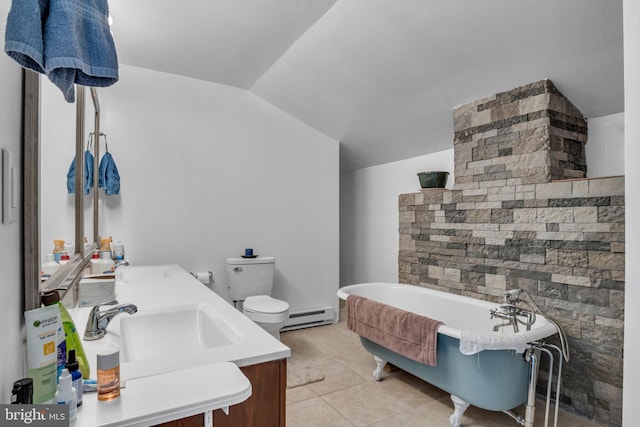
(507, 225)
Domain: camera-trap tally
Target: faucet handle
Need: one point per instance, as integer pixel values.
(91, 330)
(512, 296)
(114, 302)
(96, 308)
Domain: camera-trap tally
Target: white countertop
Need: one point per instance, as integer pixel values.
(174, 385)
(167, 397)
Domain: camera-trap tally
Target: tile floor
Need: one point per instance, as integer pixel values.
(348, 396)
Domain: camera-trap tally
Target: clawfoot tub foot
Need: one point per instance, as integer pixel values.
(380, 363)
(460, 406)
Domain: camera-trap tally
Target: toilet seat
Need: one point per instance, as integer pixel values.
(265, 304)
(263, 308)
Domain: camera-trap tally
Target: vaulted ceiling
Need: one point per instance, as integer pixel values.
(381, 76)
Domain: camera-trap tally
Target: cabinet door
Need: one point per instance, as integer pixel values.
(266, 406)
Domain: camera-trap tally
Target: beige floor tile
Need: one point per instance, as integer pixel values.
(365, 404)
(360, 361)
(314, 413)
(475, 417)
(432, 414)
(411, 390)
(298, 394)
(336, 377)
(412, 418)
(304, 353)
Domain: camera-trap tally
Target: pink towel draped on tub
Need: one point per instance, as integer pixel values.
(403, 332)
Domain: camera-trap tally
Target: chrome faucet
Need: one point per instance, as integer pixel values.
(98, 320)
(119, 272)
(122, 263)
(509, 311)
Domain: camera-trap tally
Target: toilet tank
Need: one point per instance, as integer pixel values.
(246, 277)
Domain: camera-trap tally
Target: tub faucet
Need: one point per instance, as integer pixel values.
(98, 320)
(507, 312)
(510, 311)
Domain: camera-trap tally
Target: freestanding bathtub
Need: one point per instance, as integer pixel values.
(496, 379)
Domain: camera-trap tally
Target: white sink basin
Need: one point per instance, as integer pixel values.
(173, 333)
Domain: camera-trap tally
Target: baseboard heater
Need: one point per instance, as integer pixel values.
(309, 318)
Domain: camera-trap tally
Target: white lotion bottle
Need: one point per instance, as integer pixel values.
(95, 260)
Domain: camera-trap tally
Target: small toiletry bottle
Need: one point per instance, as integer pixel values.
(95, 259)
(108, 373)
(76, 376)
(118, 251)
(58, 249)
(22, 392)
(67, 395)
(49, 267)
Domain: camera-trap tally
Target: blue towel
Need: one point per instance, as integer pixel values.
(88, 174)
(78, 46)
(108, 176)
(68, 40)
(24, 33)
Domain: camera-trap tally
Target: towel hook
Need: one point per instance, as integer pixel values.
(98, 139)
(106, 146)
(90, 142)
(105, 141)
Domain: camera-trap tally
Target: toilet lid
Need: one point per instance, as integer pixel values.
(265, 304)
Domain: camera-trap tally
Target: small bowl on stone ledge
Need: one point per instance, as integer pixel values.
(433, 179)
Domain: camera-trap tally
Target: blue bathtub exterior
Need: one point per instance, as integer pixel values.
(496, 380)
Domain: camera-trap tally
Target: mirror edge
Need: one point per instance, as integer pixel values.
(31, 187)
(67, 277)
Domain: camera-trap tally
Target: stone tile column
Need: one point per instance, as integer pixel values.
(528, 135)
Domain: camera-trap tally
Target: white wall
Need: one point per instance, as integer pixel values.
(631, 386)
(206, 171)
(369, 215)
(369, 200)
(605, 147)
(11, 294)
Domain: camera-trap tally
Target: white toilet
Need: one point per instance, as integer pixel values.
(250, 281)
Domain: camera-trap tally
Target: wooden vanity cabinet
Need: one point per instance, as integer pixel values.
(265, 408)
